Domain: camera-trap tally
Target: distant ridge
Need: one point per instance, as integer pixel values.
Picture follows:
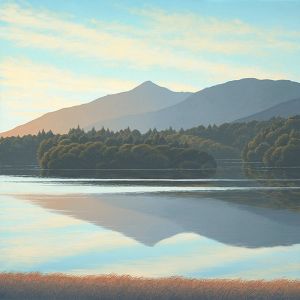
(221, 103)
(151, 106)
(286, 109)
(144, 98)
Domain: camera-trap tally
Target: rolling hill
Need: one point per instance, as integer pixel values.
(286, 109)
(144, 98)
(225, 102)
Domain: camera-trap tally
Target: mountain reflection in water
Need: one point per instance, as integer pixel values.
(152, 217)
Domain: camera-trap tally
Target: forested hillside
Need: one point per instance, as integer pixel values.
(277, 145)
(224, 141)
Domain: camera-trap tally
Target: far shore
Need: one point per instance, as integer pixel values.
(61, 286)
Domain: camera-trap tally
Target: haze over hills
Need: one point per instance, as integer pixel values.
(144, 98)
(286, 109)
(151, 106)
(225, 102)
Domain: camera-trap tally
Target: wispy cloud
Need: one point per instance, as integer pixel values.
(197, 33)
(176, 41)
(180, 44)
(30, 88)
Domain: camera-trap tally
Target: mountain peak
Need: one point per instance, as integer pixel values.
(144, 98)
(147, 84)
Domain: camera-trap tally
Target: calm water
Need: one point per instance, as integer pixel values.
(216, 228)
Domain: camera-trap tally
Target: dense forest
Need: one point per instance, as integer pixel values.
(273, 143)
(277, 145)
(122, 150)
(224, 141)
(21, 150)
(97, 155)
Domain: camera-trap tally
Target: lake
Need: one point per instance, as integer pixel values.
(222, 227)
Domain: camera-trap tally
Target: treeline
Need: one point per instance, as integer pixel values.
(97, 155)
(230, 136)
(21, 150)
(277, 145)
(224, 141)
(124, 149)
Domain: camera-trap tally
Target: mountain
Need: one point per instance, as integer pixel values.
(284, 110)
(144, 98)
(151, 106)
(225, 102)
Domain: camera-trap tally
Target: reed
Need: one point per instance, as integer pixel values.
(61, 286)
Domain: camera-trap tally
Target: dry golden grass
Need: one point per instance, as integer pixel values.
(59, 286)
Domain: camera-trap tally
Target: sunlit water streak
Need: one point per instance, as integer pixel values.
(31, 179)
(73, 187)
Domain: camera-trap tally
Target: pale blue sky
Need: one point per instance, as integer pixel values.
(61, 53)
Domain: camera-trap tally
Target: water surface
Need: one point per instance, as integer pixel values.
(203, 228)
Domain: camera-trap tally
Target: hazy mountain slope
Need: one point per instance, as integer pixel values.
(285, 110)
(218, 104)
(144, 98)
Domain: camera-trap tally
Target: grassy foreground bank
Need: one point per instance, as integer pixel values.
(59, 286)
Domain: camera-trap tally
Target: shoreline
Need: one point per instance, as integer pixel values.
(63, 286)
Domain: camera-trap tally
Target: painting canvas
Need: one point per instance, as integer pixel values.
(149, 149)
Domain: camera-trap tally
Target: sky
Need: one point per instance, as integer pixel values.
(55, 54)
